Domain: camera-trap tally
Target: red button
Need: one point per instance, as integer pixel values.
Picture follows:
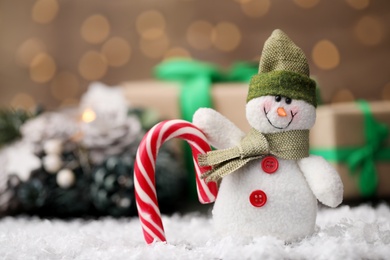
(270, 164)
(258, 198)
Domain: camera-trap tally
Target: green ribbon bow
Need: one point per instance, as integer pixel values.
(361, 160)
(196, 79)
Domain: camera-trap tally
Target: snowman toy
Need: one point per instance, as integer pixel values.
(269, 184)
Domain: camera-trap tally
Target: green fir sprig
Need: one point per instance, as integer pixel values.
(10, 122)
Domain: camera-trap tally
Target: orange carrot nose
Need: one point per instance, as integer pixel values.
(281, 112)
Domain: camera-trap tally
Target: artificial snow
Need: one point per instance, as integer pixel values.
(361, 232)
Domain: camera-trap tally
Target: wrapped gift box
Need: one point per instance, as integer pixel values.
(337, 125)
(228, 98)
(342, 126)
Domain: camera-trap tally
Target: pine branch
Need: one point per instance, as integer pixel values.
(10, 122)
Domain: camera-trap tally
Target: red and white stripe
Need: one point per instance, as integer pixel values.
(144, 172)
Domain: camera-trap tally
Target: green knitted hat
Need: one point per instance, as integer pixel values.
(283, 71)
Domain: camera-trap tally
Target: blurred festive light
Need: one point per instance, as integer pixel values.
(177, 52)
(358, 4)
(88, 115)
(28, 50)
(95, 29)
(64, 85)
(369, 30)
(256, 8)
(226, 36)
(343, 95)
(44, 11)
(326, 55)
(306, 3)
(150, 24)
(42, 68)
(23, 100)
(154, 48)
(92, 65)
(199, 34)
(117, 51)
(386, 92)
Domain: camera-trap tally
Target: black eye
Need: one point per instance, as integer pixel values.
(288, 100)
(278, 98)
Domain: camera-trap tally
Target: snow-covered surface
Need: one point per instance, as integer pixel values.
(361, 232)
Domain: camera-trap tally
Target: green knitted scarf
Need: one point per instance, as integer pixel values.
(289, 145)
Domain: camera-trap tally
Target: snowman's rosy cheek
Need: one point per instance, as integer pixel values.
(267, 104)
(297, 117)
(294, 110)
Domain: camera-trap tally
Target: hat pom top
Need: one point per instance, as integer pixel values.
(280, 53)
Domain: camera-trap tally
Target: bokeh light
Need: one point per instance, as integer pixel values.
(95, 29)
(23, 101)
(92, 65)
(150, 24)
(369, 31)
(42, 68)
(154, 48)
(255, 8)
(226, 36)
(326, 55)
(199, 34)
(88, 115)
(44, 11)
(28, 50)
(117, 51)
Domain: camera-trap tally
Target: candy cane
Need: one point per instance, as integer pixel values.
(144, 173)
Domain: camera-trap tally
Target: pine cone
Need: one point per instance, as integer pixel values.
(45, 194)
(59, 126)
(33, 194)
(112, 188)
(103, 139)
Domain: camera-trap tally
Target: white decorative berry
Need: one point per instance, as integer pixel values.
(53, 146)
(65, 178)
(52, 163)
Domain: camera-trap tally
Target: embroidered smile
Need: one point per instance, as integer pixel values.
(278, 127)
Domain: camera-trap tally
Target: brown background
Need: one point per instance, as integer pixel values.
(51, 49)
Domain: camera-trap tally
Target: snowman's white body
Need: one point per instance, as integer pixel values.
(290, 210)
(291, 191)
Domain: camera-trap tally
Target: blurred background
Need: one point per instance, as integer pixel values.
(52, 49)
(65, 55)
